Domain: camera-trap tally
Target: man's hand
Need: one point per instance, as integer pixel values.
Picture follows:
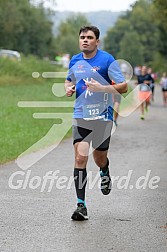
(70, 90)
(94, 86)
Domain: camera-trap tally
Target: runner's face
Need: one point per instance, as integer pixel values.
(88, 42)
(144, 70)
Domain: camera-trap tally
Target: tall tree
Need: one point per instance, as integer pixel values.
(24, 27)
(114, 36)
(138, 20)
(67, 39)
(131, 49)
(160, 12)
(142, 22)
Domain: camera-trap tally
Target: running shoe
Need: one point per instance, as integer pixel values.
(106, 183)
(142, 117)
(80, 214)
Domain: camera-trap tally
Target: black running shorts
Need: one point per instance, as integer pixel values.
(97, 131)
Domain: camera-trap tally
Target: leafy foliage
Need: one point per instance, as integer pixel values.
(139, 35)
(67, 38)
(24, 27)
(131, 49)
(135, 36)
(160, 12)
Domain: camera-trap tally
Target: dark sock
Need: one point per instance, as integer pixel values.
(80, 179)
(105, 168)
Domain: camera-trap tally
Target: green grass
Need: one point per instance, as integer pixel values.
(25, 67)
(18, 129)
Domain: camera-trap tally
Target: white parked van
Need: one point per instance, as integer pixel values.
(14, 55)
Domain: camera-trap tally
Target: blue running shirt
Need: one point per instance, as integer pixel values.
(102, 68)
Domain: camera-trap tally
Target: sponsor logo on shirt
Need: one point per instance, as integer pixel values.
(95, 68)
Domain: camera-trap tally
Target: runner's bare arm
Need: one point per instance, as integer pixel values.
(116, 88)
(95, 86)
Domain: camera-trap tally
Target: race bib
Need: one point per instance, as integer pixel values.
(94, 111)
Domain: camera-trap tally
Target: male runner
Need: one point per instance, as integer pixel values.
(90, 75)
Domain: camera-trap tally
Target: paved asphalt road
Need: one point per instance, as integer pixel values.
(129, 219)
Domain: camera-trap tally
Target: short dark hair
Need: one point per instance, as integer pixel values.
(90, 28)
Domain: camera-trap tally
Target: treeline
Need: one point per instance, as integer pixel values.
(25, 28)
(139, 36)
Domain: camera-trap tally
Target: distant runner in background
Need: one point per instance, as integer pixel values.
(152, 85)
(116, 102)
(144, 91)
(116, 105)
(163, 83)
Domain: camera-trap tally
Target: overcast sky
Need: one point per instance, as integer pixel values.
(93, 5)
